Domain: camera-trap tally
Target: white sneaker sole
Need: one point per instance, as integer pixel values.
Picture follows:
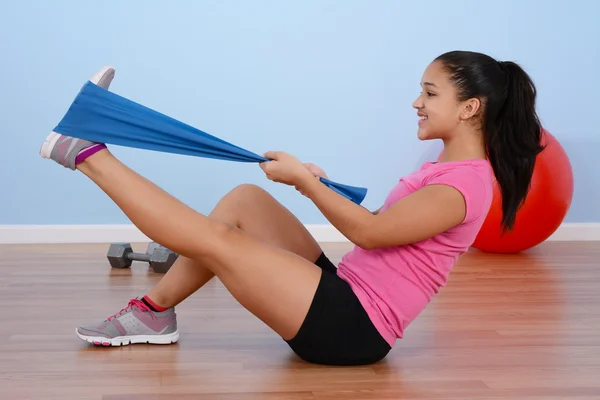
(127, 340)
(104, 77)
(48, 145)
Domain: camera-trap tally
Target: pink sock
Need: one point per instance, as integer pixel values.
(153, 305)
(88, 151)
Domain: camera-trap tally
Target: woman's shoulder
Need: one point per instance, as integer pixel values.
(475, 169)
(472, 178)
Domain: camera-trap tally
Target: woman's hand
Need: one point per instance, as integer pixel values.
(316, 170)
(287, 169)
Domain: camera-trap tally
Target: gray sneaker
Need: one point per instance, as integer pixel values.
(136, 323)
(65, 149)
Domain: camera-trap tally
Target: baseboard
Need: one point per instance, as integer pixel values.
(577, 232)
(31, 234)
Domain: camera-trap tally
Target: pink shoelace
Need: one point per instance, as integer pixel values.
(134, 303)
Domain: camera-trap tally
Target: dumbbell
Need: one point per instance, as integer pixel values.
(121, 255)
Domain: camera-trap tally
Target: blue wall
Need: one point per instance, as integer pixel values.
(303, 77)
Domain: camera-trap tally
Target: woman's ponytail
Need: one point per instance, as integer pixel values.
(511, 127)
(513, 139)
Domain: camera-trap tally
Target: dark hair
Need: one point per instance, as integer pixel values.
(512, 130)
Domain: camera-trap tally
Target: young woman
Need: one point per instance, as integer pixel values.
(484, 112)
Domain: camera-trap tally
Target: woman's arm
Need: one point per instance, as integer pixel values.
(418, 216)
(319, 172)
(422, 214)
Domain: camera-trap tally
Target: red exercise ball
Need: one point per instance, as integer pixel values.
(544, 209)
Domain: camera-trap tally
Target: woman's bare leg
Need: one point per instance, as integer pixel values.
(255, 212)
(274, 284)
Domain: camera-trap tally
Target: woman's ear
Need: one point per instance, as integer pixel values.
(470, 109)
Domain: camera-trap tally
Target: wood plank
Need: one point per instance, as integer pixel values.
(505, 327)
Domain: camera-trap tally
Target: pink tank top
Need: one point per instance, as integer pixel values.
(395, 284)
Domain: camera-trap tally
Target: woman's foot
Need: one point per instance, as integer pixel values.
(69, 151)
(136, 323)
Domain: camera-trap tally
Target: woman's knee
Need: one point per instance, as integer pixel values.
(222, 232)
(225, 240)
(217, 240)
(248, 192)
(242, 197)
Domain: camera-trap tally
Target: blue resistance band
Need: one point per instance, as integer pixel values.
(102, 116)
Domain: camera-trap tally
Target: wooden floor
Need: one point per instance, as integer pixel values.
(506, 327)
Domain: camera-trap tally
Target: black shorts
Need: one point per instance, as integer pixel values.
(337, 329)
